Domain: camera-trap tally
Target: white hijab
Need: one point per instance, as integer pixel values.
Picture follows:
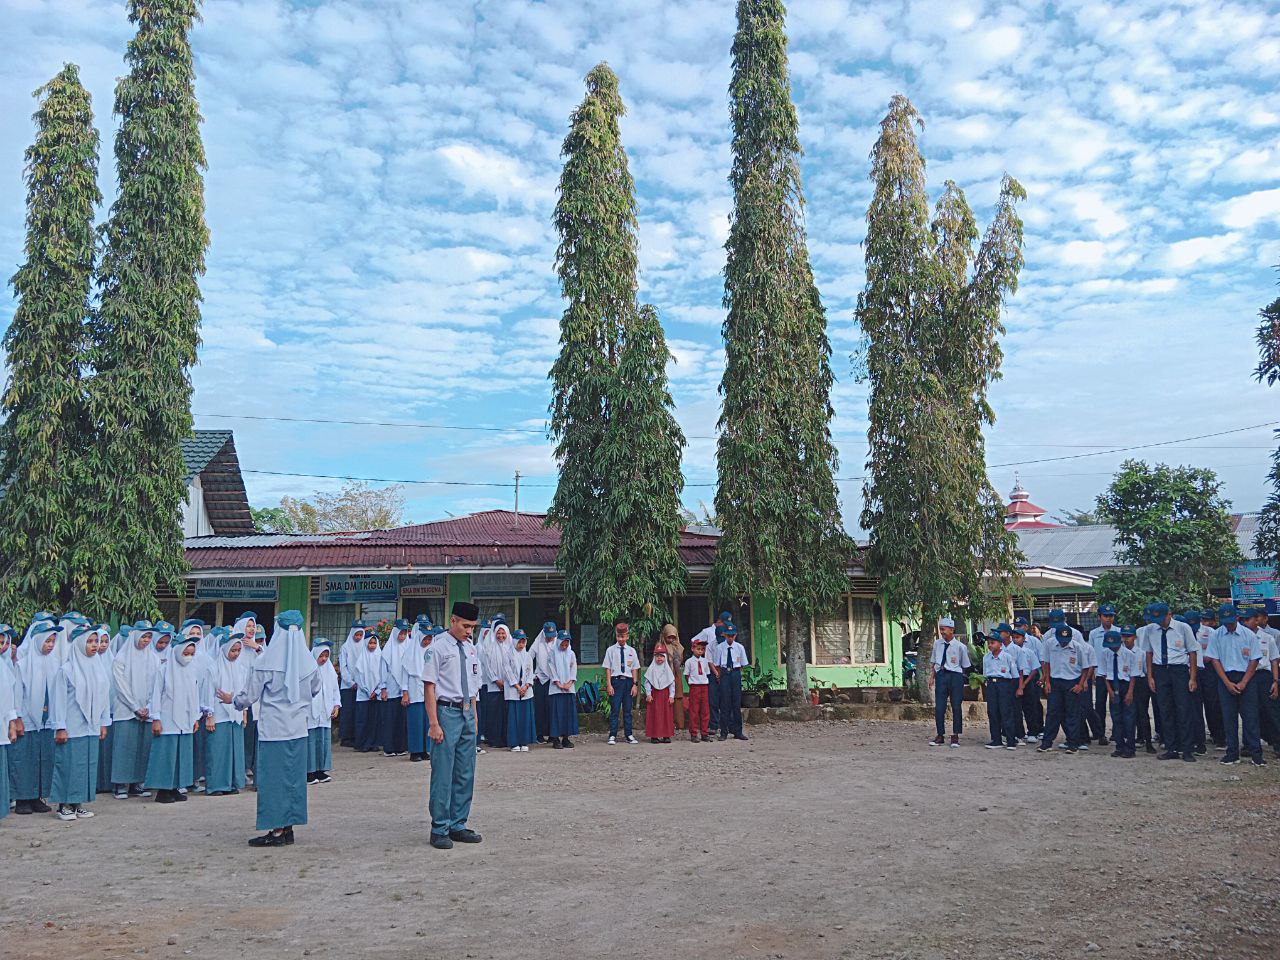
(135, 668)
(287, 655)
(366, 664)
(659, 676)
(231, 676)
(564, 665)
(179, 700)
(37, 671)
(323, 703)
(85, 677)
(394, 651)
(494, 659)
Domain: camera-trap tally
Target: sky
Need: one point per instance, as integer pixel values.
(381, 178)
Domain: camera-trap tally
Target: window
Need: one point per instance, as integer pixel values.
(331, 621)
(208, 612)
(264, 613)
(852, 633)
(831, 636)
(433, 607)
(374, 613)
(535, 611)
(866, 628)
(504, 605)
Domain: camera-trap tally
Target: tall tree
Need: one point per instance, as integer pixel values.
(931, 318)
(618, 447)
(1267, 541)
(44, 432)
(776, 498)
(1173, 533)
(147, 327)
(357, 506)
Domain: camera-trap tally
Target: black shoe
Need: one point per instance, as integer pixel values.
(417, 757)
(666, 740)
(1229, 761)
(169, 796)
(441, 842)
(566, 743)
(1170, 755)
(1150, 748)
(1201, 750)
(705, 738)
(1116, 753)
(287, 836)
(557, 745)
(1104, 742)
(739, 736)
(218, 793)
(269, 840)
(179, 796)
(39, 806)
(1258, 762)
(1044, 749)
(23, 807)
(311, 778)
(464, 836)
(1072, 750)
(653, 739)
(724, 736)
(1189, 757)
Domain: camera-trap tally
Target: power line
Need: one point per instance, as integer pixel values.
(1138, 446)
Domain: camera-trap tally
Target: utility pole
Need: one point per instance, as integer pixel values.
(516, 525)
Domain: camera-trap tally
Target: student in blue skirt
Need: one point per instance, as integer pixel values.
(224, 760)
(132, 674)
(80, 709)
(10, 713)
(284, 682)
(563, 695)
(324, 710)
(175, 711)
(412, 695)
(518, 693)
(31, 755)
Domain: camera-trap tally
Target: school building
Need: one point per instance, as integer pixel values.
(504, 561)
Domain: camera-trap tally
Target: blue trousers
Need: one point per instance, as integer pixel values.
(395, 734)
(948, 688)
(541, 709)
(1240, 710)
(1268, 709)
(1000, 701)
(1063, 713)
(1177, 708)
(415, 718)
(713, 701)
(453, 770)
(1124, 717)
(731, 702)
(366, 726)
(1096, 709)
(493, 718)
(620, 705)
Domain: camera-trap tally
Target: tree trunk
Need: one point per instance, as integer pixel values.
(924, 653)
(797, 651)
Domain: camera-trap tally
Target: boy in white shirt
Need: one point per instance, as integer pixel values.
(1002, 677)
(1115, 670)
(697, 674)
(950, 659)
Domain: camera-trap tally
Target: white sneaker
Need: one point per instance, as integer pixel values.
(515, 749)
(632, 740)
(480, 750)
(324, 778)
(1030, 739)
(122, 794)
(66, 813)
(524, 749)
(83, 814)
(613, 741)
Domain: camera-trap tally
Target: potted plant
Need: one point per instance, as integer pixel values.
(756, 683)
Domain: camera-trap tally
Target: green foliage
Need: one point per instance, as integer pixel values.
(45, 430)
(776, 499)
(758, 680)
(617, 500)
(357, 506)
(1080, 518)
(271, 520)
(1267, 539)
(1173, 529)
(930, 315)
(146, 330)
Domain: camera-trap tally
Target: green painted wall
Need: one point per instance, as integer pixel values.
(457, 590)
(764, 632)
(295, 594)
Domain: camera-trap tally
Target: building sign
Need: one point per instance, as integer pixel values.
(237, 588)
(1256, 582)
(589, 644)
(359, 589)
(422, 585)
(503, 585)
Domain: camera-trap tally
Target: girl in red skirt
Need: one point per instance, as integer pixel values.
(659, 687)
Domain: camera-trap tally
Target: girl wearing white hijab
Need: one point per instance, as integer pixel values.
(103, 661)
(224, 759)
(252, 645)
(194, 630)
(132, 675)
(31, 757)
(80, 709)
(10, 714)
(659, 688)
(391, 708)
(366, 667)
(284, 681)
(493, 670)
(175, 711)
(413, 696)
(562, 698)
(347, 683)
(324, 710)
(518, 693)
(542, 647)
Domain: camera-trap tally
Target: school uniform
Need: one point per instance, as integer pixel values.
(453, 669)
(132, 675)
(697, 675)
(520, 719)
(730, 657)
(1098, 707)
(347, 684)
(1116, 668)
(10, 710)
(102, 662)
(31, 756)
(1171, 649)
(713, 638)
(1001, 672)
(950, 659)
(541, 648)
(391, 711)
(1268, 709)
(192, 631)
(175, 703)
(659, 712)
(1141, 697)
(224, 757)
(564, 703)
(1089, 724)
(81, 706)
(493, 704)
(620, 662)
(1237, 651)
(415, 712)
(1210, 717)
(1066, 666)
(367, 667)
(320, 716)
(1029, 705)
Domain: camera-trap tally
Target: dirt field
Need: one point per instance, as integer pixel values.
(811, 841)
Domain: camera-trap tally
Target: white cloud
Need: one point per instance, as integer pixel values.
(1204, 251)
(1251, 208)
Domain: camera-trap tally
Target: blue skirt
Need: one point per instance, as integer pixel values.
(281, 778)
(564, 714)
(105, 746)
(415, 718)
(319, 749)
(347, 716)
(391, 718)
(366, 726)
(224, 758)
(31, 765)
(4, 780)
(199, 747)
(130, 750)
(75, 771)
(520, 723)
(493, 718)
(169, 767)
(250, 741)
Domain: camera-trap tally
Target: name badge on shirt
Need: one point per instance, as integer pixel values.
(1004, 669)
(1245, 651)
(1072, 660)
(953, 659)
(1177, 643)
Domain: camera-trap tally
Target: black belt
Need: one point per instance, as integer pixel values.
(456, 704)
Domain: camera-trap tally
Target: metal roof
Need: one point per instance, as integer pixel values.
(1091, 548)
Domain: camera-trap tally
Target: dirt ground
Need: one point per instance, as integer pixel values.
(812, 840)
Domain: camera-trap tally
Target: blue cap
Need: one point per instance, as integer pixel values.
(519, 635)
(403, 625)
(1110, 635)
(1106, 610)
(1018, 632)
(549, 627)
(1128, 630)
(1191, 616)
(564, 635)
(1057, 616)
(163, 626)
(1228, 616)
(1226, 608)
(1208, 613)
(1062, 632)
(730, 630)
(1003, 627)
(499, 618)
(1021, 622)
(359, 625)
(250, 614)
(321, 642)
(726, 616)
(436, 631)
(1160, 610)
(423, 618)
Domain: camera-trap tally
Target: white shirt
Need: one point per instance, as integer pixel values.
(1116, 666)
(542, 648)
(1028, 656)
(730, 655)
(1181, 641)
(1002, 666)
(1096, 637)
(697, 670)
(444, 670)
(1234, 649)
(707, 635)
(279, 718)
(1137, 660)
(619, 663)
(953, 655)
(1066, 662)
(1091, 655)
(519, 673)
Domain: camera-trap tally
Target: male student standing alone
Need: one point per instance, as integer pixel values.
(950, 659)
(452, 679)
(622, 676)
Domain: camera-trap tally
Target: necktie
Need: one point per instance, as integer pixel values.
(462, 672)
(1164, 646)
(1115, 665)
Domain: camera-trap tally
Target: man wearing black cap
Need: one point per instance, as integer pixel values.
(452, 678)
